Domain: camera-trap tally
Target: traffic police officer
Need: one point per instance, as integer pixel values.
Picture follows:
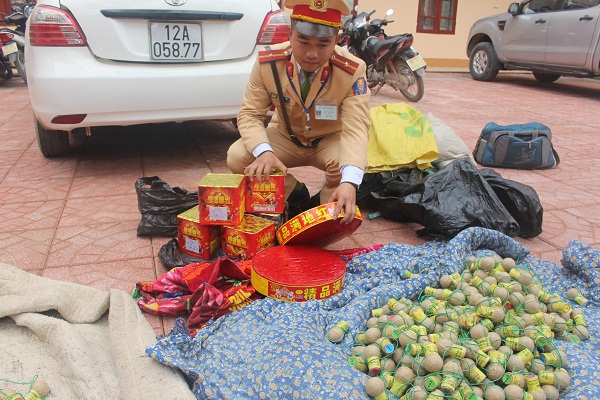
(326, 99)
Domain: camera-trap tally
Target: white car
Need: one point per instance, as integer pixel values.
(99, 63)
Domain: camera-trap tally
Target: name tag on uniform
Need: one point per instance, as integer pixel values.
(326, 110)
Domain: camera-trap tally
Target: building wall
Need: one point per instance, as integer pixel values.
(438, 50)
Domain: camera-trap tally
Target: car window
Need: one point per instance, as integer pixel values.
(580, 4)
(540, 6)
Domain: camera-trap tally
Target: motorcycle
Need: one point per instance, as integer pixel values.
(26, 9)
(390, 60)
(5, 64)
(9, 36)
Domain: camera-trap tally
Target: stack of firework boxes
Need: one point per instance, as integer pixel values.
(239, 214)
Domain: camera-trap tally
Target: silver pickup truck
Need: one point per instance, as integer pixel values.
(551, 38)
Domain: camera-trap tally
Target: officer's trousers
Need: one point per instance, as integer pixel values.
(325, 156)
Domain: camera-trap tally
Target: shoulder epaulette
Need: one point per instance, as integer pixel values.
(272, 55)
(344, 63)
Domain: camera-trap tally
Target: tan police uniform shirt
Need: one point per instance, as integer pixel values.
(338, 103)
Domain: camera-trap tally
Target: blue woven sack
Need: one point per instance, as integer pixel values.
(521, 146)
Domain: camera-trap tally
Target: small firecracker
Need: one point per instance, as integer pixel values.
(221, 199)
(195, 239)
(266, 196)
(246, 240)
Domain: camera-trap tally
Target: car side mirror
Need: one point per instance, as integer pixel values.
(513, 9)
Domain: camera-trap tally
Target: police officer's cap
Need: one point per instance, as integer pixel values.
(318, 18)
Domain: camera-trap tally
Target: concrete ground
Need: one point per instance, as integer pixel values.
(74, 218)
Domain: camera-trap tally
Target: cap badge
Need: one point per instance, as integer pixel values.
(318, 5)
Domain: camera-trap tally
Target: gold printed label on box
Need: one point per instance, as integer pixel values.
(237, 242)
(222, 180)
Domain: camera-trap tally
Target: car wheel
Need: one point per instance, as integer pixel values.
(482, 62)
(51, 143)
(546, 78)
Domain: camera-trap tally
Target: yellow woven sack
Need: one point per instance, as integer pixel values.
(400, 137)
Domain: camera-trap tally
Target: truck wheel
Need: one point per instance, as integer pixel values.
(546, 78)
(51, 143)
(482, 62)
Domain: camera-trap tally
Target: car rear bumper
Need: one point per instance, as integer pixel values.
(116, 93)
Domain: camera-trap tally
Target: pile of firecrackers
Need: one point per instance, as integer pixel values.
(487, 333)
(234, 212)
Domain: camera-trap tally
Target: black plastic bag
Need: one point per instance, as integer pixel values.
(521, 201)
(160, 204)
(171, 257)
(447, 202)
(393, 181)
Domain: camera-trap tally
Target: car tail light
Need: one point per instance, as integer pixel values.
(68, 119)
(275, 28)
(51, 26)
(5, 37)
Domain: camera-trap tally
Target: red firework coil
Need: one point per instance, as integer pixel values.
(316, 227)
(297, 273)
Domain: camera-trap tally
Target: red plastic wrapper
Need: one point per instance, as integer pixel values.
(204, 290)
(298, 273)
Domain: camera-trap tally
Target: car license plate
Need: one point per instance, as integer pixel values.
(9, 48)
(175, 41)
(416, 62)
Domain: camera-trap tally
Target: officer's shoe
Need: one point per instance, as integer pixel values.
(298, 201)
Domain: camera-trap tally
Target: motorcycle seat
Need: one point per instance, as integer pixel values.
(390, 41)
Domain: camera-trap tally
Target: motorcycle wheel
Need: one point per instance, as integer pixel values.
(20, 65)
(415, 89)
(5, 72)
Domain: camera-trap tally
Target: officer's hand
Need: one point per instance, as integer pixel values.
(345, 196)
(261, 167)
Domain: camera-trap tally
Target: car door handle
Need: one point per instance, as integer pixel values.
(586, 18)
(540, 21)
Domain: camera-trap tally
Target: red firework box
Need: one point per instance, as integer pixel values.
(221, 199)
(252, 236)
(278, 218)
(317, 227)
(266, 197)
(195, 239)
(298, 273)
